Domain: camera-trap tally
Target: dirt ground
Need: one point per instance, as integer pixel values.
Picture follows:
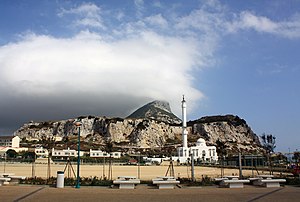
(145, 194)
(146, 172)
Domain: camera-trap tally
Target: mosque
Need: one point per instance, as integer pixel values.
(201, 152)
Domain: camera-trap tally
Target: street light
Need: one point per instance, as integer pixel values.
(4, 161)
(78, 124)
(139, 169)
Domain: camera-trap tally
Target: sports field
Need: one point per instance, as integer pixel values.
(146, 172)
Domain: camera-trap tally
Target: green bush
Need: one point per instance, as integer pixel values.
(205, 181)
(86, 181)
(293, 181)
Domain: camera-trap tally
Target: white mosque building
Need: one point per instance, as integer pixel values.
(201, 152)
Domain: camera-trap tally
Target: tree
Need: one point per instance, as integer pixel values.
(296, 156)
(268, 142)
(29, 155)
(221, 150)
(11, 153)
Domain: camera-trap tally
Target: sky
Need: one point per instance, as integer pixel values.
(60, 59)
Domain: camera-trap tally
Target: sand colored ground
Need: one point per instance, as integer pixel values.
(146, 172)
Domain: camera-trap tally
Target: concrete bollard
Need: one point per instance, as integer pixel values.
(60, 179)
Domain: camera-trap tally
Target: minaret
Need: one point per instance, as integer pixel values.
(184, 131)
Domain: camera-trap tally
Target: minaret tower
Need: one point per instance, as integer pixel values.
(184, 131)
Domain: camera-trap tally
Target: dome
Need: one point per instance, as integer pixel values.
(200, 140)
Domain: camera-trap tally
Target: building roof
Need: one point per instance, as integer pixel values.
(200, 140)
(6, 137)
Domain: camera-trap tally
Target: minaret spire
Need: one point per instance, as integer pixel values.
(184, 131)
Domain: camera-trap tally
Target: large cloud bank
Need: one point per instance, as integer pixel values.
(85, 74)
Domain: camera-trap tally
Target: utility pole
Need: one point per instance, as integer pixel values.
(33, 167)
(78, 124)
(240, 165)
(4, 166)
(139, 169)
(192, 170)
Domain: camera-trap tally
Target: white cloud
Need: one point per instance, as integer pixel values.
(208, 19)
(85, 15)
(157, 20)
(111, 73)
(247, 20)
(261, 24)
(139, 5)
(213, 18)
(157, 4)
(147, 67)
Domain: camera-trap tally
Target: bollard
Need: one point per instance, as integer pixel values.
(60, 179)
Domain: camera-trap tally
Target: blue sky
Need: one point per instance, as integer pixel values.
(60, 59)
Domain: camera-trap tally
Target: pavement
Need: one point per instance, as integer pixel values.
(146, 193)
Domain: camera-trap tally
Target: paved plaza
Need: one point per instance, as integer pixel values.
(146, 193)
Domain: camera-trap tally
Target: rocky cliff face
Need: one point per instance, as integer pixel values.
(156, 110)
(151, 126)
(134, 132)
(146, 133)
(231, 130)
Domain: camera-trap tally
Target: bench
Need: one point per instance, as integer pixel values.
(266, 181)
(126, 177)
(234, 183)
(127, 182)
(218, 180)
(232, 177)
(16, 179)
(6, 174)
(265, 176)
(269, 182)
(165, 182)
(164, 178)
(254, 180)
(4, 180)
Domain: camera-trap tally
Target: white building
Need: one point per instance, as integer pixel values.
(100, 153)
(204, 153)
(40, 152)
(10, 141)
(66, 153)
(201, 152)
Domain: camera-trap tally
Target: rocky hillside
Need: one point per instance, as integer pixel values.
(152, 126)
(156, 110)
(130, 132)
(231, 130)
(145, 133)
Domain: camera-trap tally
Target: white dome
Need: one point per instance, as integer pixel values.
(200, 140)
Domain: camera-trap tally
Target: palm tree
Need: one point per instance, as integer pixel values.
(268, 143)
(221, 150)
(109, 149)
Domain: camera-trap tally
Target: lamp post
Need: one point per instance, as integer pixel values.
(78, 124)
(139, 169)
(192, 166)
(4, 162)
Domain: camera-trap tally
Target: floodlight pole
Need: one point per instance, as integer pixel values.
(139, 169)
(240, 165)
(78, 124)
(4, 162)
(192, 167)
